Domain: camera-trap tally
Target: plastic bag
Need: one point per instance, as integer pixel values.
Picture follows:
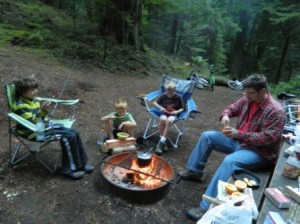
(227, 213)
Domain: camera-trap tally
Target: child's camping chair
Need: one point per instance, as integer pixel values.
(21, 148)
(185, 89)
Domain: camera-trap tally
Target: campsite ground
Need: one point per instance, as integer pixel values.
(29, 194)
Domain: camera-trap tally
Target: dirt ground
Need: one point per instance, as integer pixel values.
(30, 194)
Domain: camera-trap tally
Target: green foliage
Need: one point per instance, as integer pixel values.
(292, 87)
(205, 33)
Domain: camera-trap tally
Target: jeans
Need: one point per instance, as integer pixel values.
(238, 157)
(73, 152)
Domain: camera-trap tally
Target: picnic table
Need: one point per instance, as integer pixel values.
(279, 181)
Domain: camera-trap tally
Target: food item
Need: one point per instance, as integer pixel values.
(230, 188)
(236, 194)
(279, 199)
(250, 183)
(226, 130)
(240, 185)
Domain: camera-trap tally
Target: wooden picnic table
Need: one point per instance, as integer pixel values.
(280, 181)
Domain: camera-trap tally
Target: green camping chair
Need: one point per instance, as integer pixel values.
(21, 148)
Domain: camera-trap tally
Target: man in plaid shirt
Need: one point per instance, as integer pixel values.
(253, 144)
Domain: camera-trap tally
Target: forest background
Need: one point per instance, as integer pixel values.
(154, 36)
(116, 42)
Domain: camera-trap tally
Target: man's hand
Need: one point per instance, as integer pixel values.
(225, 121)
(230, 132)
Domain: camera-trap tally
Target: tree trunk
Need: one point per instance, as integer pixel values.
(283, 58)
(89, 9)
(60, 4)
(135, 32)
(74, 15)
(173, 34)
(236, 65)
(123, 20)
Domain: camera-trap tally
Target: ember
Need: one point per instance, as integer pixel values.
(145, 177)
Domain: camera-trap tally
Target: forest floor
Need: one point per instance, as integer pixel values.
(30, 194)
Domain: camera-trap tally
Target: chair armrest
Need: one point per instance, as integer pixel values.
(151, 96)
(22, 121)
(63, 102)
(191, 106)
(147, 98)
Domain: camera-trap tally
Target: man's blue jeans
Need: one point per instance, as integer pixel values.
(238, 158)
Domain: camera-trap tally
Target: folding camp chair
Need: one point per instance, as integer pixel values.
(21, 148)
(185, 89)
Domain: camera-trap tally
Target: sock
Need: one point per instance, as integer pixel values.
(163, 139)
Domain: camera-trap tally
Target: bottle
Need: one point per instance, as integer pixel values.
(40, 129)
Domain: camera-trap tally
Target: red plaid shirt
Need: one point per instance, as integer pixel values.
(264, 130)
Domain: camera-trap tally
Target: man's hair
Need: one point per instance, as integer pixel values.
(22, 85)
(256, 81)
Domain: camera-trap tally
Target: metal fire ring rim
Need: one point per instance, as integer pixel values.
(164, 183)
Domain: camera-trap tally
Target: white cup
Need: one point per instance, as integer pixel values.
(297, 148)
(295, 140)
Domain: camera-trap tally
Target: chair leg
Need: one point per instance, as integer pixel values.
(33, 149)
(47, 166)
(14, 156)
(151, 124)
(180, 133)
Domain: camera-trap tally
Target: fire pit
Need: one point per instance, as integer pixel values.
(126, 177)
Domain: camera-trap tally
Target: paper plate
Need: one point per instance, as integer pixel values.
(246, 174)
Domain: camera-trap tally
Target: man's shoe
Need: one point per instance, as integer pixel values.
(195, 213)
(190, 175)
(88, 168)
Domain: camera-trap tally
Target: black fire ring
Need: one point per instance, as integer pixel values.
(116, 185)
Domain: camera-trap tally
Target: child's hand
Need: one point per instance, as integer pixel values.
(121, 126)
(163, 110)
(45, 105)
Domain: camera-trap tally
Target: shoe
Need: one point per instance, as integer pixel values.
(88, 168)
(158, 149)
(164, 146)
(195, 213)
(190, 175)
(103, 147)
(76, 175)
(102, 139)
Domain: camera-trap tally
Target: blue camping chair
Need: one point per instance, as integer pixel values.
(185, 89)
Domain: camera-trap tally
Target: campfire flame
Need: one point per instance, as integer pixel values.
(144, 180)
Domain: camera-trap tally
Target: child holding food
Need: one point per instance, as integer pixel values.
(118, 121)
(169, 106)
(74, 157)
